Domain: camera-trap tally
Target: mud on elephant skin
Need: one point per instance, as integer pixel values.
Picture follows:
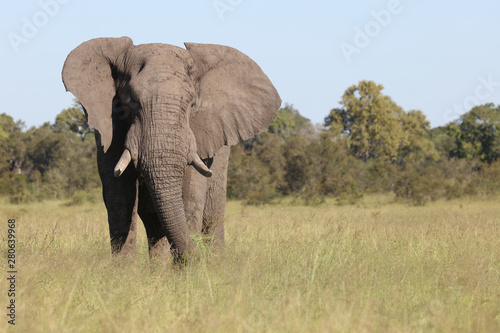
(171, 113)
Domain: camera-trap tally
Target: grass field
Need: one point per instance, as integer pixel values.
(378, 267)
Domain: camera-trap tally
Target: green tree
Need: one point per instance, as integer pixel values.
(11, 142)
(394, 144)
(414, 142)
(444, 143)
(333, 171)
(12, 154)
(288, 122)
(44, 148)
(369, 121)
(477, 134)
(374, 126)
(249, 178)
(297, 165)
(269, 150)
(258, 167)
(52, 160)
(73, 119)
(320, 168)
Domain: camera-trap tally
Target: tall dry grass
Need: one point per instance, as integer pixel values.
(374, 268)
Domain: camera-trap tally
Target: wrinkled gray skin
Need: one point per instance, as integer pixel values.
(166, 108)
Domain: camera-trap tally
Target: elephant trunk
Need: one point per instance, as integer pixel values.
(163, 155)
(165, 189)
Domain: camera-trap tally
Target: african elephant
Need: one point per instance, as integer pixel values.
(172, 113)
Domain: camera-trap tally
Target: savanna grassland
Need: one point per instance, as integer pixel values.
(374, 267)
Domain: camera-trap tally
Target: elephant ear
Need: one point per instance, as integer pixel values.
(236, 100)
(88, 75)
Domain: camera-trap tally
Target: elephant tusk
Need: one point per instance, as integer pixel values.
(122, 163)
(201, 167)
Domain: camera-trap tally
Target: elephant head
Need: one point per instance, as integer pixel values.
(181, 106)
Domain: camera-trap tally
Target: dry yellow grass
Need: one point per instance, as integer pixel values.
(375, 268)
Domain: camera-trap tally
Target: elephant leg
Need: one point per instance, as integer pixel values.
(120, 198)
(194, 191)
(157, 241)
(215, 205)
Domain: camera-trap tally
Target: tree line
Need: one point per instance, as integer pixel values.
(52, 161)
(367, 145)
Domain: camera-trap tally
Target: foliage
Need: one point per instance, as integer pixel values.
(368, 121)
(73, 119)
(12, 153)
(374, 126)
(419, 182)
(443, 142)
(414, 143)
(320, 168)
(476, 134)
(249, 178)
(288, 123)
(368, 145)
(50, 161)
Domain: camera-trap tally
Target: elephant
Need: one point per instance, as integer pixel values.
(164, 119)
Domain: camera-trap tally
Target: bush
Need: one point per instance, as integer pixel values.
(249, 178)
(487, 181)
(419, 183)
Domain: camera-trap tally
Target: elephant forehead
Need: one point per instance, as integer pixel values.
(150, 67)
(158, 56)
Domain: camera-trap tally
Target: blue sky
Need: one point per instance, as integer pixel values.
(439, 57)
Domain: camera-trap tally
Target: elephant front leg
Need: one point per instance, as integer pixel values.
(215, 204)
(120, 198)
(194, 191)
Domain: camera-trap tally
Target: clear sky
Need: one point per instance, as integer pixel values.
(441, 57)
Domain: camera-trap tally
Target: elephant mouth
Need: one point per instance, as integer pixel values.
(126, 158)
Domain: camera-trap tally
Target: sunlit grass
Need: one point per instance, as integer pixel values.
(376, 268)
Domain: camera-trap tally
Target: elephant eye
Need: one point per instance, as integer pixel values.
(142, 67)
(120, 110)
